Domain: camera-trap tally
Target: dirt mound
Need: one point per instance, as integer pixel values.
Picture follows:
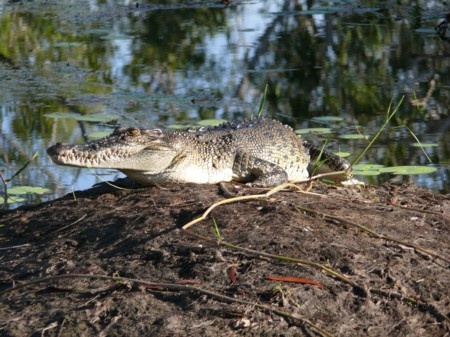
(76, 257)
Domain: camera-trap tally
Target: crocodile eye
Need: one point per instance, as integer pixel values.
(133, 132)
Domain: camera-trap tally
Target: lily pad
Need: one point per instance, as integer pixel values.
(425, 31)
(366, 173)
(211, 122)
(99, 134)
(67, 44)
(12, 200)
(178, 127)
(97, 31)
(322, 10)
(413, 169)
(363, 167)
(116, 37)
(328, 119)
(27, 189)
(62, 115)
(314, 12)
(424, 145)
(353, 136)
(313, 130)
(96, 118)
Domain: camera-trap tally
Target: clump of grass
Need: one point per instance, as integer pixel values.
(389, 115)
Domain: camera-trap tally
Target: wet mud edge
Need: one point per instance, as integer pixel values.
(136, 234)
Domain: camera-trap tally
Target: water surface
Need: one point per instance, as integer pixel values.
(162, 63)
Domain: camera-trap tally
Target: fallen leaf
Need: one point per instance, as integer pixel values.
(188, 282)
(232, 274)
(294, 279)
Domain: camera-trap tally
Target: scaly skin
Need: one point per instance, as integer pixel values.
(261, 151)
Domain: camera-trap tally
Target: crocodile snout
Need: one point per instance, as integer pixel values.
(57, 149)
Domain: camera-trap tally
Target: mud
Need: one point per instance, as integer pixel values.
(393, 289)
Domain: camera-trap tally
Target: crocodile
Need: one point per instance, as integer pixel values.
(262, 152)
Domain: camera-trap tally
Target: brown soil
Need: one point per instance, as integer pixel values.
(394, 289)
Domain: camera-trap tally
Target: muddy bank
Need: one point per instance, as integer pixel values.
(388, 286)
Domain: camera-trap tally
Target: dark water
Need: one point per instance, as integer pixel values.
(162, 63)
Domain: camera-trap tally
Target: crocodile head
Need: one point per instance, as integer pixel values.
(126, 149)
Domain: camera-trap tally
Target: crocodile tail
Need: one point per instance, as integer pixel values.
(323, 161)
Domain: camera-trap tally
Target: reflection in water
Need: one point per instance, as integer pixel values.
(161, 65)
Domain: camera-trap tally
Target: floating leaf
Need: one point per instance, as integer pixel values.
(99, 134)
(97, 31)
(27, 189)
(96, 118)
(116, 37)
(211, 122)
(366, 10)
(322, 10)
(313, 12)
(363, 167)
(87, 99)
(353, 136)
(67, 44)
(313, 130)
(424, 144)
(366, 173)
(342, 154)
(62, 115)
(328, 119)
(178, 127)
(12, 200)
(413, 169)
(425, 31)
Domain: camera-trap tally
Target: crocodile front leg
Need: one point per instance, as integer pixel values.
(323, 161)
(258, 171)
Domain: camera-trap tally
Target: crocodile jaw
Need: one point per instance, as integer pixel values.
(131, 158)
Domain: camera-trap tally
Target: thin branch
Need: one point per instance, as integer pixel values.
(274, 190)
(5, 188)
(15, 247)
(71, 224)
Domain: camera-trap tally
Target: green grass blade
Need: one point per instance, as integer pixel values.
(216, 230)
(418, 142)
(389, 116)
(263, 101)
